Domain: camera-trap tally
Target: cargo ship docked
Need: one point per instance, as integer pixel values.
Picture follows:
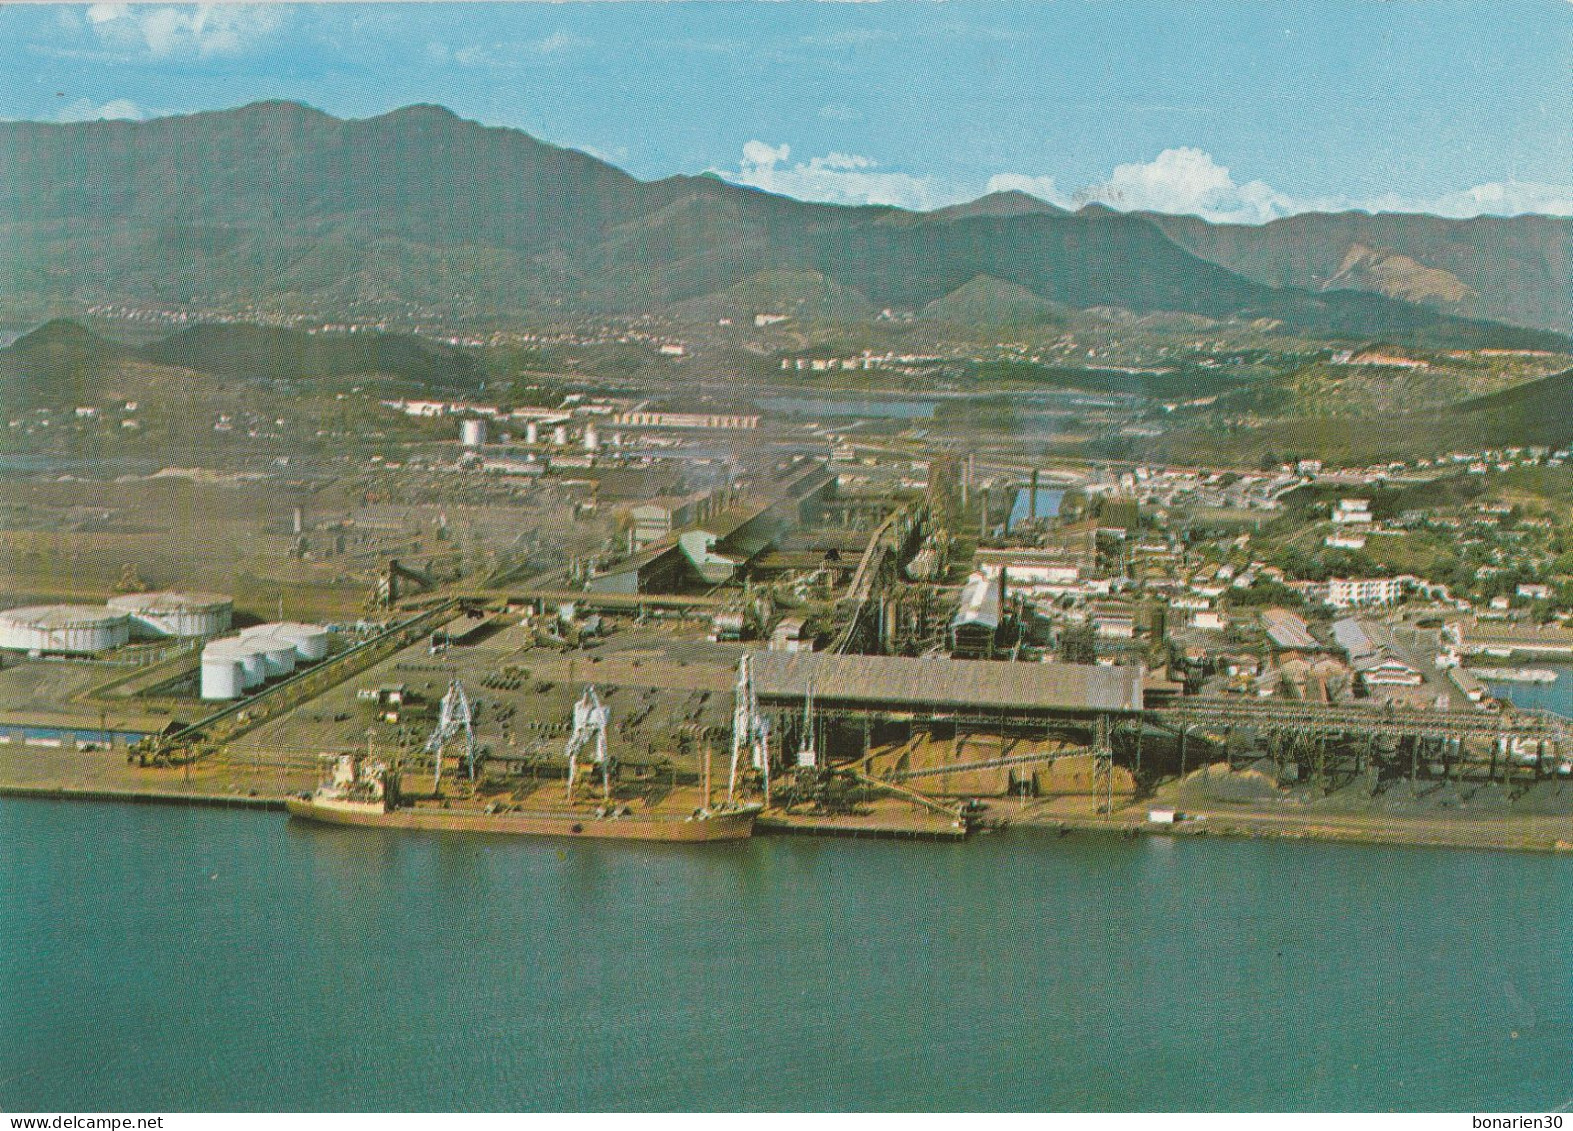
(358, 795)
(364, 792)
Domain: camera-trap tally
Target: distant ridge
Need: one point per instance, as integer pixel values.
(282, 205)
(1516, 269)
(1012, 202)
(1550, 398)
(62, 363)
(59, 362)
(985, 300)
(264, 353)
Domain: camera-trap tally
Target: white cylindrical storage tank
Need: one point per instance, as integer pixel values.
(222, 677)
(177, 614)
(310, 640)
(532, 433)
(74, 629)
(472, 432)
(253, 664)
(560, 436)
(592, 439)
(278, 654)
(231, 655)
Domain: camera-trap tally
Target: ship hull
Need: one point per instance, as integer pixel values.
(737, 825)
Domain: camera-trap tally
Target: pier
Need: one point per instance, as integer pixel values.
(144, 797)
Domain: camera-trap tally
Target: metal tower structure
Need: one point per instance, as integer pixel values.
(590, 720)
(1103, 768)
(456, 718)
(750, 731)
(807, 754)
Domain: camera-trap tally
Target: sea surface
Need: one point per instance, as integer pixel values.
(170, 959)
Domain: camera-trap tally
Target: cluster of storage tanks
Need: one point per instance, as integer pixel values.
(86, 629)
(472, 434)
(234, 665)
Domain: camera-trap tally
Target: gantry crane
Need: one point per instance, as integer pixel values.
(750, 731)
(590, 720)
(456, 718)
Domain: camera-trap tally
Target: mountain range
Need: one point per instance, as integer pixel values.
(420, 213)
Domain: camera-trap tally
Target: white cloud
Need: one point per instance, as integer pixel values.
(836, 178)
(757, 153)
(1188, 181)
(117, 109)
(557, 41)
(1496, 198)
(203, 30)
(1184, 180)
(506, 54)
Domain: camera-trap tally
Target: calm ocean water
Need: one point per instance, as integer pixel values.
(1556, 696)
(168, 959)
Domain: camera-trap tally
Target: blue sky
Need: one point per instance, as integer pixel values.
(1239, 111)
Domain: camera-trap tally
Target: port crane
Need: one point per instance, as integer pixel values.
(455, 719)
(590, 720)
(807, 756)
(750, 731)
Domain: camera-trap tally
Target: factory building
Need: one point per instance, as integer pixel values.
(745, 422)
(901, 687)
(723, 545)
(75, 630)
(1289, 631)
(976, 625)
(1373, 661)
(176, 614)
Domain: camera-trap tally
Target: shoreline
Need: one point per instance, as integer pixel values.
(1507, 835)
(142, 797)
(1250, 824)
(39, 773)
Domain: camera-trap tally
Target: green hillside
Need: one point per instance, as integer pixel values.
(277, 206)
